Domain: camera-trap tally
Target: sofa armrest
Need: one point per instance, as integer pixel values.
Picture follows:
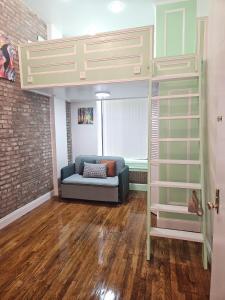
(123, 183)
(67, 171)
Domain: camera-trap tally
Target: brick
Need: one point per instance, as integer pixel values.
(25, 136)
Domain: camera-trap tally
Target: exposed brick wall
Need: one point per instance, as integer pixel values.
(138, 177)
(25, 136)
(69, 132)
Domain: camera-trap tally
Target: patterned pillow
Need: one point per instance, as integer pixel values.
(81, 166)
(95, 170)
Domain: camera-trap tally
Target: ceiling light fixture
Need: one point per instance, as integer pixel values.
(92, 30)
(102, 95)
(116, 6)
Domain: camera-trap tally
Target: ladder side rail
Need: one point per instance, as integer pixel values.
(202, 145)
(149, 171)
(148, 213)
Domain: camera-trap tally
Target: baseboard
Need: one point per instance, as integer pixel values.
(178, 224)
(138, 187)
(209, 250)
(16, 214)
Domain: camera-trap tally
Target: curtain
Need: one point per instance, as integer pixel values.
(125, 128)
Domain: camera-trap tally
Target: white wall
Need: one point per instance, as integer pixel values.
(53, 32)
(61, 134)
(77, 17)
(84, 136)
(202, 8)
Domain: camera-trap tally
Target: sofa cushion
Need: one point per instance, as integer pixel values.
(81, 166)
(111, 167)
(79, 179)
(120, 162)
(95, 170)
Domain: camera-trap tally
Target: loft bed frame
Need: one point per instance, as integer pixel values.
(119, 56)
(123, 56)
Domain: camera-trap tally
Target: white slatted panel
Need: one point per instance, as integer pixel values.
(155, 130)
(155, 109)
(155, 122)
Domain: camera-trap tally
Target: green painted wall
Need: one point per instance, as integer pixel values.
(176, 28)
(178, 128)
(178, 150)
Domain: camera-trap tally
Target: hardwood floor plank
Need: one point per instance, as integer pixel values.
(85, 250)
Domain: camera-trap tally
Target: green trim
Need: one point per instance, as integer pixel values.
(138, 170)
(138, 187)
(137, 165)
(176, 28)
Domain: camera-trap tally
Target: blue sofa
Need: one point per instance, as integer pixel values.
(110, 189)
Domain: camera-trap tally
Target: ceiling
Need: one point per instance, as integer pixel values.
(123, 90)
(76, 17)
(80, 17)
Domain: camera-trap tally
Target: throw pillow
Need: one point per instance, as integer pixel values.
(111, 167)
(81, 166)
(95, 170)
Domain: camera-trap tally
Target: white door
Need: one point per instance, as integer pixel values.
(216, 125)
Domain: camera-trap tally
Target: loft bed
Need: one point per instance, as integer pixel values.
(127, 56)
(112, 57)
(118, 56)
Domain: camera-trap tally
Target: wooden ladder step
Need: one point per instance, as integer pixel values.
(174, 162)
(171, 208)
(175, 77)
(173, 97)
(176, 139)
(177, 234)
(180, 185)
(178, 117)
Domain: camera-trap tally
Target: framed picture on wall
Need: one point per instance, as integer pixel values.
(86, 115)
(7, 56)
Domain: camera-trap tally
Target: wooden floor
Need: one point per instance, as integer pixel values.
(81, 250)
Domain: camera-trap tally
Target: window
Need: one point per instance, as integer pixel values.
(125, 128)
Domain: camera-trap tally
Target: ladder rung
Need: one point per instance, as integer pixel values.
(181, 185)
(171, 208)
(177, 234)
(176, 139)
(175, 162)
(175, 77)
(178, 117)
(172, 97)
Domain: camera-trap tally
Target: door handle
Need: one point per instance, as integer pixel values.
(215, 205)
